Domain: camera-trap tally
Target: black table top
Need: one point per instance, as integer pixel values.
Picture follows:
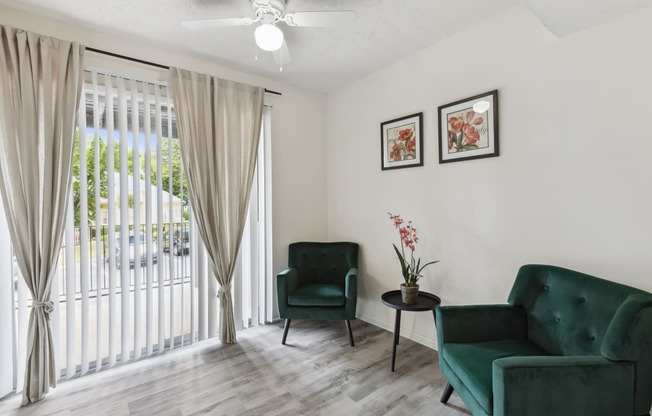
(425, 302)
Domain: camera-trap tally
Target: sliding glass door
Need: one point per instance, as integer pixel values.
(132, 278)
(125, 283)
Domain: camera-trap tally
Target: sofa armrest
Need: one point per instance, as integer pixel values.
(562, 386)
(629, 335)
(479, 323)
(351, 292)
(287, 281)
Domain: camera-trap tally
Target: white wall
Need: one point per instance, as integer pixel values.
(572, 186)
(298, 126)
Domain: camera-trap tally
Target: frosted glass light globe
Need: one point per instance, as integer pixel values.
(268, 37)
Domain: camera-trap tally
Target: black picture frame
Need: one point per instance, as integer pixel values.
(401, 142)
(465, 132)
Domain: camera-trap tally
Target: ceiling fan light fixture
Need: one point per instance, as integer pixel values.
(268, 37)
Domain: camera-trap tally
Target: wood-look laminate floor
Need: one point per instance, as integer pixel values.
(316, 373)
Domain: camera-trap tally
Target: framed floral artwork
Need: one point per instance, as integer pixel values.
(468, 128)
(402, 142)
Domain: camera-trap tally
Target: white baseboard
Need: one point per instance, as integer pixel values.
(429, 342)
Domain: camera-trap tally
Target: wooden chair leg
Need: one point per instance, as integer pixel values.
(448, 390)
(285, 330)
(348, 329)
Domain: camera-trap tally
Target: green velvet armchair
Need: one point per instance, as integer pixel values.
(566, 344)
(319, 283)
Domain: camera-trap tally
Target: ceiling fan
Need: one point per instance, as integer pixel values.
(267, 14)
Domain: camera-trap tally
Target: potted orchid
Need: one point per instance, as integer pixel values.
(412, 268)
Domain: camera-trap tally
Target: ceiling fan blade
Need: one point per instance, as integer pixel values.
(338, 18)
(216, 23)
(282, 55)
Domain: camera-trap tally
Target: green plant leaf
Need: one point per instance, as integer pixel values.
(470, 147)
(427, 264)
(404, 266)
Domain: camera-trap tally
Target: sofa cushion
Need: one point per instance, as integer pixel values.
(472, 363)
(318, 294)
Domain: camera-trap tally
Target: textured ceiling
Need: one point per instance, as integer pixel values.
(563, 17)
(322, 59)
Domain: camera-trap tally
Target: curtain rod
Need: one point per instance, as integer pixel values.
(140, 61)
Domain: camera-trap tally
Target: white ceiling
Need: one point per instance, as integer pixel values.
(322, 59)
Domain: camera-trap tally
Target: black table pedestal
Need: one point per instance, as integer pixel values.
(425, 302)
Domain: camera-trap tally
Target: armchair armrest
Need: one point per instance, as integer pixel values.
(351, 292)
(351, 284)
(562, 386)
(286, 282)
(478, 323)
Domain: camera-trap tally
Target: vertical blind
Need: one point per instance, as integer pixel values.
(120, 274)
(133, 278)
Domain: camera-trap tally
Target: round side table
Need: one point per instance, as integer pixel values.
(425, 302)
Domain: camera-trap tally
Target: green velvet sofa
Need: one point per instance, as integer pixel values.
(321, 282)
(566, 344)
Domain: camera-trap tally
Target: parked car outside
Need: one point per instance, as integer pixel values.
(180, 242)
(132, 251)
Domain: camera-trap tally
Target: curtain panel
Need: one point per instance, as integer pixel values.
(40, 89)
(219, 125)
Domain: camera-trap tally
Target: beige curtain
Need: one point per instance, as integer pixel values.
(219, 129)
(40, 89)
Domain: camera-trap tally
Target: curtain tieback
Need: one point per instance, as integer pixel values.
(48, 306)
(224, 291)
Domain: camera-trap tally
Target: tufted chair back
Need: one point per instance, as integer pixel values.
(571, 313)
(322, 262)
